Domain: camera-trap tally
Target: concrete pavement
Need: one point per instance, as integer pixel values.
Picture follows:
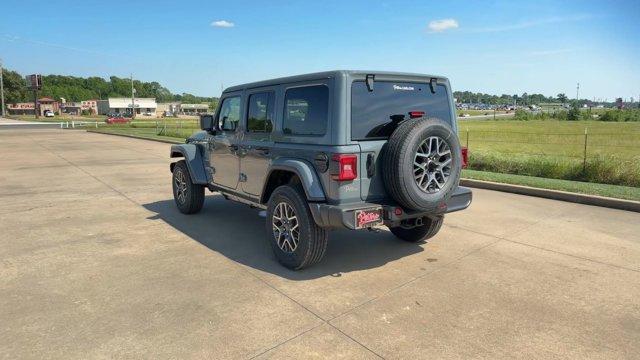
(96, 262)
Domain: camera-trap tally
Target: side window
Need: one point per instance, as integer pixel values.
(229, 114)
(260, 116)
(306, 110)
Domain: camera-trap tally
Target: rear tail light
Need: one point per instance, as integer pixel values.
(416, 114)
(347, 167)
(465, 157)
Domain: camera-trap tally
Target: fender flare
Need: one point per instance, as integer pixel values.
(306, 173)
(193, 158)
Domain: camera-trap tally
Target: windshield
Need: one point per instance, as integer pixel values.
(375, 114)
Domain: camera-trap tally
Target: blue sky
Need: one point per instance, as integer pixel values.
(190, 46)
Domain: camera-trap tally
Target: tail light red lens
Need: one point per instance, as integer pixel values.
(416, 114)
(465, 157)
(347, 167)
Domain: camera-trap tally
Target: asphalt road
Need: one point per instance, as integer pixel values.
(96, 262)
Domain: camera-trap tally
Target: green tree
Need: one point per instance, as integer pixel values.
(15, 88)
(574, 113)
(562, 98)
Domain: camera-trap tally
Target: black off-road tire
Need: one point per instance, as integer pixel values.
(193, 197)
(429, 229)
(312, 239)
(398, 159)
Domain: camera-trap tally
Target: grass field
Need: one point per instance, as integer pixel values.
(556, 149)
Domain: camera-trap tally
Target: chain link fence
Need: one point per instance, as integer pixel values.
(603, 157)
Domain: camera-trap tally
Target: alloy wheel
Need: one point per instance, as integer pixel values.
(180, 183)
(285, 227)
(432, 164)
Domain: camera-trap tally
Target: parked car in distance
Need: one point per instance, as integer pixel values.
(148, 113)
(117, 120)
(49, 113)
(334, 150)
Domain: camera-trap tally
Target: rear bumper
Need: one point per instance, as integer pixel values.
(343, 216)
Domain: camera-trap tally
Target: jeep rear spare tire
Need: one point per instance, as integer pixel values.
(422, 164)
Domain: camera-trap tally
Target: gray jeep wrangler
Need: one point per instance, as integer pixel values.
(339, 149)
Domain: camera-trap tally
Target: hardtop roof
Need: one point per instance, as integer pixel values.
(326, 75)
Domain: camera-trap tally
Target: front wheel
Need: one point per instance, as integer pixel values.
(297, 241)
(428, 229)
(189, 197)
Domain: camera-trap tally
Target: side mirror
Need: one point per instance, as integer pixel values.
(207, 123)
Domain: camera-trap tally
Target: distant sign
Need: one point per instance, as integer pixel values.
(34, 81)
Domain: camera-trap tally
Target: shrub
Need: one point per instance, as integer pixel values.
(560, 115)
(621, 115)
(601, 169)
(528, 115)
(574, 113)
(522, 115)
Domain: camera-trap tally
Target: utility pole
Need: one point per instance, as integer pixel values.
(578, 92)
(133, 100)
(2, 114)
(35, 103)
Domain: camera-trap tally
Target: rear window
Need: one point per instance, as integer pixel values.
(375, 114)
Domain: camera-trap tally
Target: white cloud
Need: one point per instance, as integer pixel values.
(442, 25)
(223, 24)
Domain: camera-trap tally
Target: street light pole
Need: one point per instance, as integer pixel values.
(133, 100)
(2, 114)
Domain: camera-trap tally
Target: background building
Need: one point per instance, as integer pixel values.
(48, 104)
(194, 109)
(71, 108)
(169, 108)
(91, 106)
(20, 108)
(124, 106)
(45, 104)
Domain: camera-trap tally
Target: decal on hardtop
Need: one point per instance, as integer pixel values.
(403, 88)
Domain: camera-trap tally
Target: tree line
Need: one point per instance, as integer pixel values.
(73, 88)
(504, 99)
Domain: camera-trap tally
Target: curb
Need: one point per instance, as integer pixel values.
(137, 137)
(595, 200)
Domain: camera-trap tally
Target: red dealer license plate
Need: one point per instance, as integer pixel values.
(368, 218)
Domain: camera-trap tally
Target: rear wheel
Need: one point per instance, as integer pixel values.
(297, 241)
(428, 229)
(189, 197)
